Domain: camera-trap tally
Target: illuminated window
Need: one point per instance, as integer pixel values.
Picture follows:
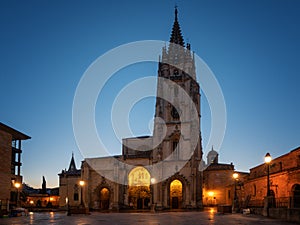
(139, 176)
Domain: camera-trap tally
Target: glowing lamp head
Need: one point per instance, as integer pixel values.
(268, 158)
(235, 176)
(211, 193)
(81, 183)
(17, 185)
(152, 180)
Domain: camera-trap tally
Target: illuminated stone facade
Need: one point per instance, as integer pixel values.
(284, 181)
(161, 176)
(217, 184)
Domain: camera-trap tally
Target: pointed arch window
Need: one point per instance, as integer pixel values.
(175, 113)
(175, 149)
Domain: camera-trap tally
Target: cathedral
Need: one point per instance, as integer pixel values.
(153, 172)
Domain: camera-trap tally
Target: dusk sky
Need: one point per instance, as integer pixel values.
(252, 47)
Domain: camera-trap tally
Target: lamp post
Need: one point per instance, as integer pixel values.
(235, 176)
(152, 182)
(268, 160)
(17, 185)
(81, 183)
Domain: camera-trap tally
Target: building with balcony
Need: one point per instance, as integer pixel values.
(10, 165)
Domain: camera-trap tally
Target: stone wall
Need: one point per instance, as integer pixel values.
(291, 215)
(216, 187)
(67, 190)
(284, 175)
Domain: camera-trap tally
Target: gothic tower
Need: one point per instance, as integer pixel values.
(177, 118)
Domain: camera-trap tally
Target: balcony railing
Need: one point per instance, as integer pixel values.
(283, 202)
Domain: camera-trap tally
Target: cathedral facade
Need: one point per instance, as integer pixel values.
(159, 171)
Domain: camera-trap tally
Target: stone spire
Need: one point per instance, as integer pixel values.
(176, 36)
(72, 166)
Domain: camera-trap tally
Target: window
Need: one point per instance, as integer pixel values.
(76, 196)
(175, 143)
(175, 113)
(280, 166)
(254, 190)
(229, 194)
(174, 147)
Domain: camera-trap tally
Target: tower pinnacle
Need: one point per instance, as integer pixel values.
(176, 36)
(72, 166)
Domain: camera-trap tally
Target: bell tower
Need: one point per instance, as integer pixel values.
(177, 115)
(177, 65)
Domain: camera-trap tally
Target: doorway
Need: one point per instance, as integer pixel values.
(104, 198)
(139, 188)
(176, 194)
(296, 196)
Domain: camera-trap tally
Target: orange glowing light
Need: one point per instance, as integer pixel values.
(211, 193)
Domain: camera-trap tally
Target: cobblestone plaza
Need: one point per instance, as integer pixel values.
(164, 218)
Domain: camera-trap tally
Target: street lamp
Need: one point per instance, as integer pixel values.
(81, 183)
(17, 185)
(152, 182)
(268, 160)
(235, 176)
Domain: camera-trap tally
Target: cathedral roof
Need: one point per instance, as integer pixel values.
(176, 36)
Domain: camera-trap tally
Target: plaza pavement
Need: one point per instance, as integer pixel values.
(162, 218)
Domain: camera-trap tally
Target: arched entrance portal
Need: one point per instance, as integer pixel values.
(104, 198)
(176, 194)
(139, 188)
(296, 196)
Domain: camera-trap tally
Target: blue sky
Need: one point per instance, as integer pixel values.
(252, 47)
